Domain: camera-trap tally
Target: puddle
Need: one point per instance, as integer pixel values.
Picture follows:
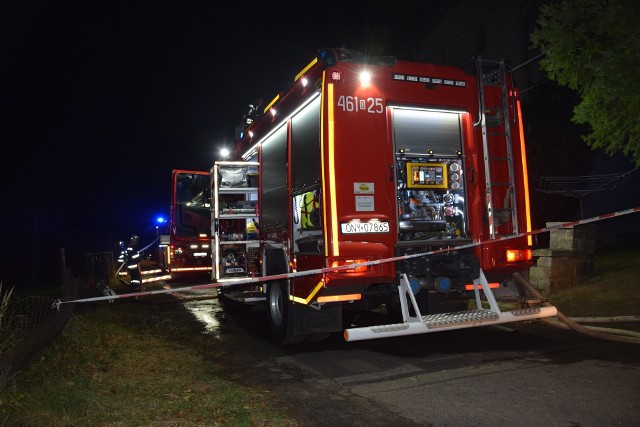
(208, 313)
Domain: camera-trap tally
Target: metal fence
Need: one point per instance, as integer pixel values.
(27, 325)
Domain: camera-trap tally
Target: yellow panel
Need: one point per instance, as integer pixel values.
(427, 175)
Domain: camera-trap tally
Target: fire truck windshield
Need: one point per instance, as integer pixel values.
(192, 205)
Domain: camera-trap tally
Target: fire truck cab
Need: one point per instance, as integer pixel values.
(185, 251)
(381, 183)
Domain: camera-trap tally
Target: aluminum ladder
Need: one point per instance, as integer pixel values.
(495, 122)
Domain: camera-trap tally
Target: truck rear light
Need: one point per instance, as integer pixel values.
(515, 255)
(343, 262)
(469, 286)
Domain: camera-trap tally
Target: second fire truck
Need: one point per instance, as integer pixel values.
(373, 182)
(185, 251)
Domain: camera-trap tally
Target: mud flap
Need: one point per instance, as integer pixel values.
(308, 320)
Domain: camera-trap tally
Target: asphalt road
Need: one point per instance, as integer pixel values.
(489, 376)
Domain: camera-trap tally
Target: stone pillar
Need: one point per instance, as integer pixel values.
(568, 260)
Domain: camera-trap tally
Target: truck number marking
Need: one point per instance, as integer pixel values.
(353, 104)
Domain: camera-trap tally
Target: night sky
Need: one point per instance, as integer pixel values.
(101, 100)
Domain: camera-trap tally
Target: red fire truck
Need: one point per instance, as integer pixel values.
(188, 249)
(379, 183)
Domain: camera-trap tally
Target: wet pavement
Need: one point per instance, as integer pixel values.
(534, 375)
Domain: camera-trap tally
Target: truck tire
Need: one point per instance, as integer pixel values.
(280, 313)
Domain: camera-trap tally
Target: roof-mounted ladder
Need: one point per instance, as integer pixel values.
(495, 121)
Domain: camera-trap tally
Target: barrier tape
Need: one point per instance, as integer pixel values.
(58, 302)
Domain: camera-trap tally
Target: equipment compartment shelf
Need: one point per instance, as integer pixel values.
(236, 216)
(235, 195)
(237, 190)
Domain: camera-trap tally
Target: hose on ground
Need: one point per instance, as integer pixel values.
(629, 337)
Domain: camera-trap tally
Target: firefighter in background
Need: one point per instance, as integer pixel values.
(309, 213)
(123, 253)
(132, 259)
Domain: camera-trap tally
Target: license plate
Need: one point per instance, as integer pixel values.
(364, 227)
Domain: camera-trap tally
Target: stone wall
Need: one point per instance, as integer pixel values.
(567, 261)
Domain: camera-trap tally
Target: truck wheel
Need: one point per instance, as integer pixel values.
(280, 313)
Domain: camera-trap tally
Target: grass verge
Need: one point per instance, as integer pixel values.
(119, 364)
(613, 289)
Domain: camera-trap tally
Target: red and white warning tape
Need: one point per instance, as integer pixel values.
(57, 303)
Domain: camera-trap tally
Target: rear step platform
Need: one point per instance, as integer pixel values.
(419, 324)
(448, 321)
